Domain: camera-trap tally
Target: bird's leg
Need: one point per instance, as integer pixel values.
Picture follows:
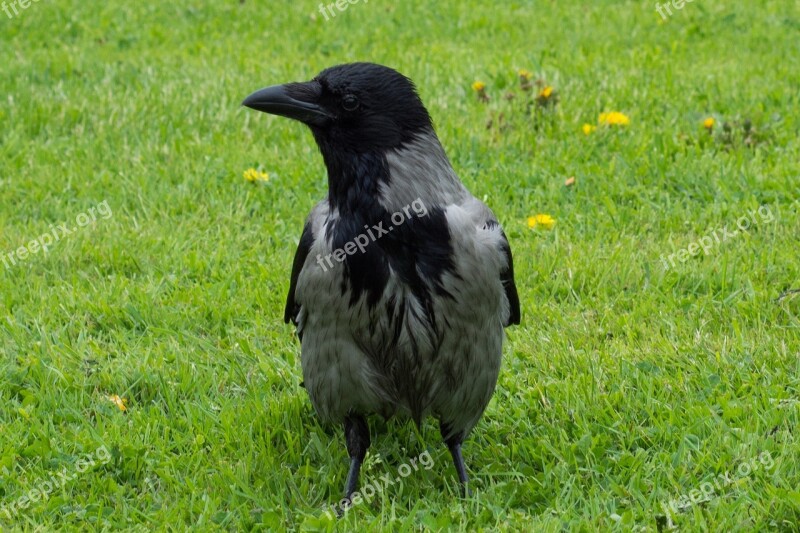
(356, 433)
(454, 441)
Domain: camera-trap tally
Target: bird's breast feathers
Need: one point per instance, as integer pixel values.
(443, 270)
(406, 318)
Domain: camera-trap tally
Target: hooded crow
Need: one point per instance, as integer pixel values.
(395, 314)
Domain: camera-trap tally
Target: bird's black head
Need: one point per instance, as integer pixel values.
(357, 107)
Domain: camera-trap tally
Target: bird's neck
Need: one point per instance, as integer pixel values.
(354, 179)
(418, 170)
(421, 171)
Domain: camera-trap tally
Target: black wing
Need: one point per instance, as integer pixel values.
(292, 307)
(507, 277)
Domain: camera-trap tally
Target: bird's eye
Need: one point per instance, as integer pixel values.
(350, 103)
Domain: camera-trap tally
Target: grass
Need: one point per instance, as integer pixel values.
(628, 386)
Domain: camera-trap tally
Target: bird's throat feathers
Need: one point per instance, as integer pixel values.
(417, 169)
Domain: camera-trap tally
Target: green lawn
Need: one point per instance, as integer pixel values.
(635, 382)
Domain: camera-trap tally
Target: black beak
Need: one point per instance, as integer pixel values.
(276, 100)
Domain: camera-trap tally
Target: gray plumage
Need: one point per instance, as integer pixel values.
(353, 358)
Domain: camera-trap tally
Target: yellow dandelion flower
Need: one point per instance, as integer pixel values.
(709, 123)
(547, 96)
(588, 129)
(252, 175)
(541, 220)
(480, 88)
(614, 118)
(121, 403)
(525, 74)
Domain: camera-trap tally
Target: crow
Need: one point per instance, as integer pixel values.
(397, 311)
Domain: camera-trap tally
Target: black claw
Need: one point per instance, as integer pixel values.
(351, 485)
(453, 442)
(461, 469)
(356, 434)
